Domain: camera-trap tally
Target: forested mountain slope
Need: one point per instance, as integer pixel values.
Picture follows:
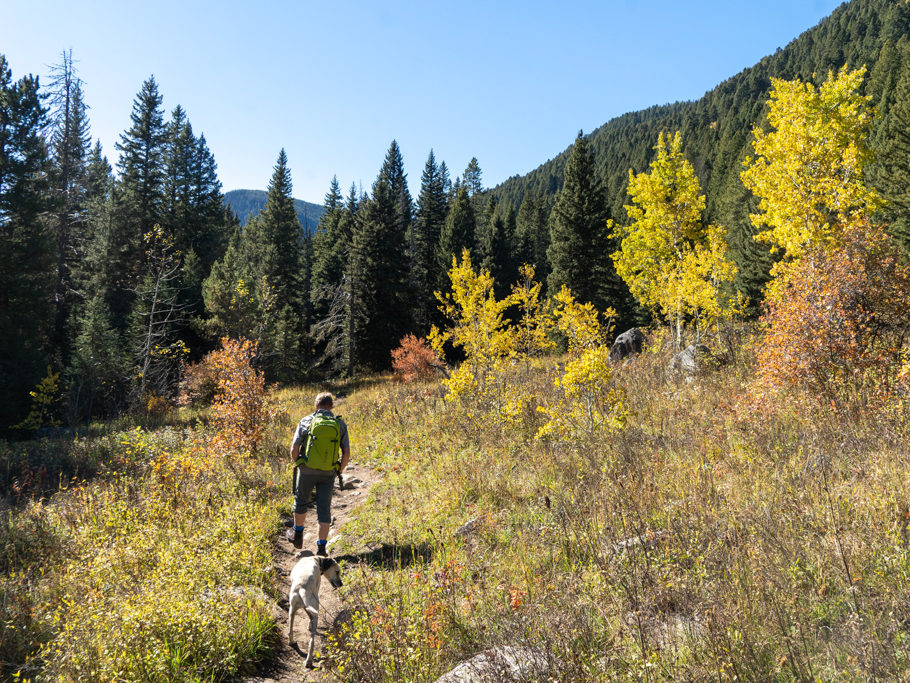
(246, 203)
(716, 129)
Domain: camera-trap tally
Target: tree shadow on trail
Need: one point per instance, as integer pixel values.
(391, 556)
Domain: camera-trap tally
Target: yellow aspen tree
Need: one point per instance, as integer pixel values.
(479, 327)
(807, 172)
(671, 262)
(532, 334)
(588, 399)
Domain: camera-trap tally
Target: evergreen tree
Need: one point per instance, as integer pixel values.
(494, 245)
(142, 160)
(532, 234)
(329, 251)
(432, 206)
(272, 244)
(99, 176)
(96, 375)
(379, 268)
(891, 171)
(27, 270)
(334, 330)
(458, 234)
(238, 305)
(69, 141)
(579, 245)
(472, 180)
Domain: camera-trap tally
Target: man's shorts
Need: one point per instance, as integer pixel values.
(323, 482)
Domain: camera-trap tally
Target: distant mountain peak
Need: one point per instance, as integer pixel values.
(247, 203)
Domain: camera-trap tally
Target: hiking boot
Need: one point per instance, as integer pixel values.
(321, 550)
(295, 536)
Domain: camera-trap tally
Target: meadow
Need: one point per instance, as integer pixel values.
(711, 536)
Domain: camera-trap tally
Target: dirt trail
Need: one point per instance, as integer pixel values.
(288, 664)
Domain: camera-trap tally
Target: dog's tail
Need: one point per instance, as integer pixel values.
(311, 611)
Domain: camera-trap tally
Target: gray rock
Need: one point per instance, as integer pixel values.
(506, 663)
(690, 360)
(646, 540)
(469, 527)
(627, 344)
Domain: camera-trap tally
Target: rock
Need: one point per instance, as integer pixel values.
(469, 527)
(690, 360)
(628, 343)
(647, 540)
(247, 594)
(506, 663)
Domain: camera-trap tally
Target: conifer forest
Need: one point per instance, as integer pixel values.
(723, 498)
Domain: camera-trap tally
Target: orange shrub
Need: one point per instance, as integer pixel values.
(199, 382)
(241, 410)
(841, 323)
(414, 359)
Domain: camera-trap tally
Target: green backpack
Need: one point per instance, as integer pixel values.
(323, 443)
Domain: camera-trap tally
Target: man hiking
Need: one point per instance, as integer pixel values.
(318, 440)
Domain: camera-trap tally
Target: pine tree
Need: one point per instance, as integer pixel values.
(472, 180)
(238, 305)
(98, 369)
(379, 268)
(69, 141)
(494, 247)
(27, 270)
(328, 251)
(458, 234)
(272, 243)
(333, 330)
(579, 244)
(891, 171)
(532, 234)
(432, 206)
(142, 160)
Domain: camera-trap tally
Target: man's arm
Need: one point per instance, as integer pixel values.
(345, 456)
(295, 451)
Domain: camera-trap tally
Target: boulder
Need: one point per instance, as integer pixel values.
(690, 360)
(506, 663)
(628, 343)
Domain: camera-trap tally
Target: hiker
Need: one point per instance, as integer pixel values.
(317, 442)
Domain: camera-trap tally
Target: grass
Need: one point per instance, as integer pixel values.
(704, 541)
(157, 568)
(708, 540)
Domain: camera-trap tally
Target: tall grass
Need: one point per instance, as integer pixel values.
(157, 568)
(707, 540)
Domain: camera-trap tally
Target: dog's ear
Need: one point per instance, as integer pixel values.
(325, 563)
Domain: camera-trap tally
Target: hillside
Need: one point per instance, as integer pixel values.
(716, 128)
(246, 203)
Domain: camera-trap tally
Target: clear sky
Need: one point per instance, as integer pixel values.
(334, 82)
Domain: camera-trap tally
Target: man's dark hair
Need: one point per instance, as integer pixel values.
(325, 400)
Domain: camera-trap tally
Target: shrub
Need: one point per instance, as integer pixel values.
(841, 321)
(199, 383)
(241, 409)
(414, 360)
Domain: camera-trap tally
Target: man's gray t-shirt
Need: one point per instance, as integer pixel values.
(304, 425)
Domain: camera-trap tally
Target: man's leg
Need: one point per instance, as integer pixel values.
(301, 500)
(324, 512)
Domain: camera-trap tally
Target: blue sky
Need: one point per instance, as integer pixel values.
(334, 82)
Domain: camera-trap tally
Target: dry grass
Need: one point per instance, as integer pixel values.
(705, 541)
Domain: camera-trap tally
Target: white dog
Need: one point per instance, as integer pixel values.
(305, 578)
